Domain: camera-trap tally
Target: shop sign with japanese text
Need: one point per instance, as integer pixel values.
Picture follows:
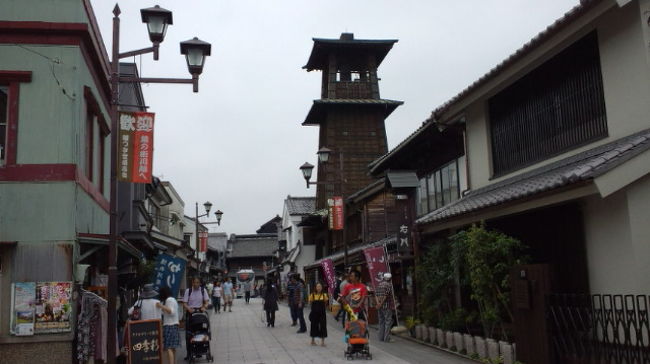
(144, 342)
(135, 147)
(335, 208)
(168, 272)
(404, 239)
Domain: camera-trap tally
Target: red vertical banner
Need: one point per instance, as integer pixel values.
(143, 148)
(203, 241)
(377, 264)
(135, 151)
(335, 208)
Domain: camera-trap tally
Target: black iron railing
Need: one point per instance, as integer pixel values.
(599, 329)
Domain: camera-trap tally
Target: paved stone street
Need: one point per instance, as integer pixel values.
(241, 337)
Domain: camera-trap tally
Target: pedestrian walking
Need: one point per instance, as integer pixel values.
(341, 282)
(247, 291)
(385, 307)
(146, 307)
(270, 302)
(171, 336)
(291, 288)
(299, 302)
(217, 293)
(318, 315)
(228, 294)
(196, 298)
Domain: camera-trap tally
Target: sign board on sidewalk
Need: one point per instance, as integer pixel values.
(144, 342)
(135, 149)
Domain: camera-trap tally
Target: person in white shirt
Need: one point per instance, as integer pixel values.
(148, 304)
(171, 337)
(217, 292)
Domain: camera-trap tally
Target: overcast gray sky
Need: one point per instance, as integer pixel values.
(238, 143)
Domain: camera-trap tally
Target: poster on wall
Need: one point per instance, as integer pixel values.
(53, 307)
(23, 301)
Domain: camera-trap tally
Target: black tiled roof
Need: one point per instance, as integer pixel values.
(323, 47)
(319, 108)
(301, 205)
(573, 14)
(580, 167)
(264, 245)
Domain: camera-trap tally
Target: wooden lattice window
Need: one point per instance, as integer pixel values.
(555, 108)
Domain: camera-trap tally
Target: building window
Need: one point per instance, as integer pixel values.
(557, 107)
(439, 188)
(4, 118)
(90, 138)
(97, 131)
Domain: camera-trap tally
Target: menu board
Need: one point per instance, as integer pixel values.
(53, 307)
(144, 342)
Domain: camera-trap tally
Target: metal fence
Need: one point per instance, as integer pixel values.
(599, 329)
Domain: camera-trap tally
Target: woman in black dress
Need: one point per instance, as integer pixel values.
(270, 302)
(318, 315)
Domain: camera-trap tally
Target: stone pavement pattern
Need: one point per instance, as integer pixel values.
(240, 337)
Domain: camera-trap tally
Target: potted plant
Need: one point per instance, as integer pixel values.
(410, 322)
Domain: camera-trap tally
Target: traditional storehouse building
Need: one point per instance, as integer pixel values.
(251, 251)
(294, 251)
(557, 143)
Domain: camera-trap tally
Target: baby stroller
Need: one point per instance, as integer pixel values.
(198, 331)
(357, 333)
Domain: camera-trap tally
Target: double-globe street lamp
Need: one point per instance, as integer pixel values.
(208, 206)
(324, 154)
(195, 51)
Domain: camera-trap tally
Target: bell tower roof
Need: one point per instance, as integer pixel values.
(354, 48)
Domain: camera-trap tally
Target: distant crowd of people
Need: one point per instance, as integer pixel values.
(349, 293)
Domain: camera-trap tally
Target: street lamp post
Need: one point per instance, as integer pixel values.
(207, 205)
(157, 20)
(324, 154)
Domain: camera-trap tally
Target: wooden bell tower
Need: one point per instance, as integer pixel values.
(350, 112)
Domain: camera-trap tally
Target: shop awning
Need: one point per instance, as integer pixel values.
(103, 239)
(402, 179)
(339, 255)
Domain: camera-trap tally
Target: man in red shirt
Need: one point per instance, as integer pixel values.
(354, 294)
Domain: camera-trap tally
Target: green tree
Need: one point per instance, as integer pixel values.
(490, 255)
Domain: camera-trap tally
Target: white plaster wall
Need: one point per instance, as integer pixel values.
(610, 252)
(626, 83)
(638, 202)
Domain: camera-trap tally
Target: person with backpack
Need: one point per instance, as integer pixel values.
(195, 298)
(146, 307)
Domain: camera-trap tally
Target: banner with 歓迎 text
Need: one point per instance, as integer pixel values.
(135, 148)
(335, 209)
